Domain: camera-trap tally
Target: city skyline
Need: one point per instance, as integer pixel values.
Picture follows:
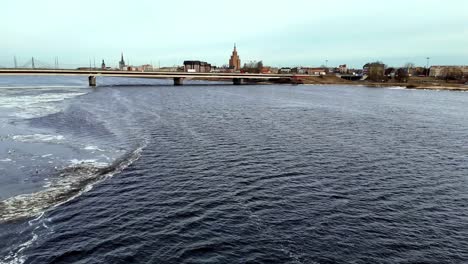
(303, 33)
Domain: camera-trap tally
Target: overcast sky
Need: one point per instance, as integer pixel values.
(281, 33)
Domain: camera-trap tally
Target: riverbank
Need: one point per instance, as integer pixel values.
(415, 83)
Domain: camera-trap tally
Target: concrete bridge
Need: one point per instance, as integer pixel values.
(178, 77)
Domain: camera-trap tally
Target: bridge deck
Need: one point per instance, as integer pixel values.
(134, 74)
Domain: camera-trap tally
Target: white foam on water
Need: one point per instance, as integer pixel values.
(93, 148)
(46, 156)
(28, 205)
(397, 88)
(29, 106)
(40, 87)
(89, 162)
(6, 160)
(39, 138)
(15, 256)
(47, 184)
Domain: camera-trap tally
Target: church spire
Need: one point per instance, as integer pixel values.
(121, 62)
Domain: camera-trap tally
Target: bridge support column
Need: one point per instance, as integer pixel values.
(178, 81)
(92, 81)
(237, 81)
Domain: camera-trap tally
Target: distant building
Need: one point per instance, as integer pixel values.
(235, 62)
(103, 65)
(197, 66)
(437, 71)
(265, 70)
(145, 67)
(122, 63)
(309, 70)
(169, 69)
(299, 70)
(317, 71)
(274, 70)
(343, 69)
(418, 71)
(284, 70)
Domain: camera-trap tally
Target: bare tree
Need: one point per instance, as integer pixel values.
(409, 66)
(402, 75)
(253, 67)
(376, 71)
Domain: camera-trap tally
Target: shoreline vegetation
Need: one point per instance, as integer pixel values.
(419, 83)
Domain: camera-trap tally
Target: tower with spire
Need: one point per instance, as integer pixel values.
(121, 62)
(235, 62)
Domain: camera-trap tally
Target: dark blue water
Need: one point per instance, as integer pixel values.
(240, 174)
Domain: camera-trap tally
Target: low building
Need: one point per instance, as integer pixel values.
(309, 70)
(317, 71)
(299, 70)
(284, 70)
(145, 67)
(168, 69)
(197, 66)
(437, 71)
(274, 70)
(343, 69)
(265, 70)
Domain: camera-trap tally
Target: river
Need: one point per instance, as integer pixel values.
(140, 171)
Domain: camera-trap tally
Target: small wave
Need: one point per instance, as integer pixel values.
(38, 138)
(93, 148)
(71, 183)
(15, 256)
(6, 160)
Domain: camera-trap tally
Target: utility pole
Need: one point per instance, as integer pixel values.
(16, 63)
(427, 67)
(32, 63)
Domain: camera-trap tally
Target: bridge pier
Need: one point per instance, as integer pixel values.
(237, 81)
(178, 81)
(92, 81)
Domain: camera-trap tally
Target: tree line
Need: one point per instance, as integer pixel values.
(379, 72)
